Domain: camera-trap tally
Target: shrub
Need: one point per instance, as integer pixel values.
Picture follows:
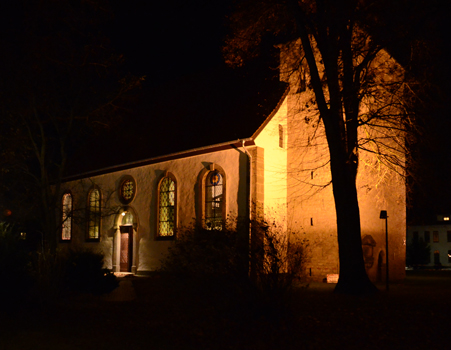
(261, 273)
(202, 254)
(14, 264)
(81, 270)
(85, 272)
(277, 264)
(47, 270)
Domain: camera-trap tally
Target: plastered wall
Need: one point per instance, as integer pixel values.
(148, 250)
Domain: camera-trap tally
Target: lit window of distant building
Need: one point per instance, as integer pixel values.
(435, 236)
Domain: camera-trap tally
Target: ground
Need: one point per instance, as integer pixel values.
(167, 314)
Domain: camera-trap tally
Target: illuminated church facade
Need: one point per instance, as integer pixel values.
(132, 212)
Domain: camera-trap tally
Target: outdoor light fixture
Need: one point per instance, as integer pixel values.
(383, 215)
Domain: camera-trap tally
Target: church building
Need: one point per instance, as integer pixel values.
(132, 212)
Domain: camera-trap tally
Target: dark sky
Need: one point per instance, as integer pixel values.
(168, 39)
(188, 94)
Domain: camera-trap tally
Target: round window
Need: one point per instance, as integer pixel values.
(127, 190)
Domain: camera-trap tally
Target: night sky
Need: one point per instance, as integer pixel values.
(168, 39)
(188, 93)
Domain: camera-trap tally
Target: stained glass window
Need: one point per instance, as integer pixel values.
(94, 214)
(214, 201)
(166, 215)
(128, 190)
(66, 227)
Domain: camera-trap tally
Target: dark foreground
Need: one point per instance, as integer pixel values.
(168, 315)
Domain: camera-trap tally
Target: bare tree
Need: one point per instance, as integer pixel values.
(59, 83)
(358, 90)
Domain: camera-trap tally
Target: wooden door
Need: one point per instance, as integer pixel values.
(126, 248)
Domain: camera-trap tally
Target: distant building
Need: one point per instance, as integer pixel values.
(438, 236)
(131, 212)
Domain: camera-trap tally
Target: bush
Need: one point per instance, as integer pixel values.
(84, 272)
(261, 273)
(14, 267)
(200, 254)
(47, 270)
(81, 270)
(277, 264)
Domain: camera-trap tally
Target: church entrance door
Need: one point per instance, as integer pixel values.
(126, 248)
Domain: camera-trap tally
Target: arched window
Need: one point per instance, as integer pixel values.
(94, 214)
(281, 136)
(214, 200)
(66, 220)
(167, 207)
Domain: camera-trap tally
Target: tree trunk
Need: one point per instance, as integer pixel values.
(353, 277)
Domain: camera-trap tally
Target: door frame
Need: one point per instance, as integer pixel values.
(133, 236)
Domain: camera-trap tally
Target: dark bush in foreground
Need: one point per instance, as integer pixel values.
(84, 272)
(14, 267)
(261, 273)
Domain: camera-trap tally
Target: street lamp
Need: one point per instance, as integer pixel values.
(383, 215)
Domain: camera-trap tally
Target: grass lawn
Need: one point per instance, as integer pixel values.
(169, 314)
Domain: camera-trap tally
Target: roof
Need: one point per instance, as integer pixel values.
(188, 153)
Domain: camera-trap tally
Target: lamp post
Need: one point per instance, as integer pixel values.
(383, 215)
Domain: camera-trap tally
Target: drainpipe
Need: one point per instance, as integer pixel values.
(249, 156)
(250, 180)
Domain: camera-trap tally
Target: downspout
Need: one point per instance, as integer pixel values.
(250, 180)
(249, 191)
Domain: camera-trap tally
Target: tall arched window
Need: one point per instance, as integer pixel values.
(66, 220)
(281, 136)
(94, 214)
(214, 200)
(167, 207)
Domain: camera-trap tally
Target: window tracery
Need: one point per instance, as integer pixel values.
(167, 207)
